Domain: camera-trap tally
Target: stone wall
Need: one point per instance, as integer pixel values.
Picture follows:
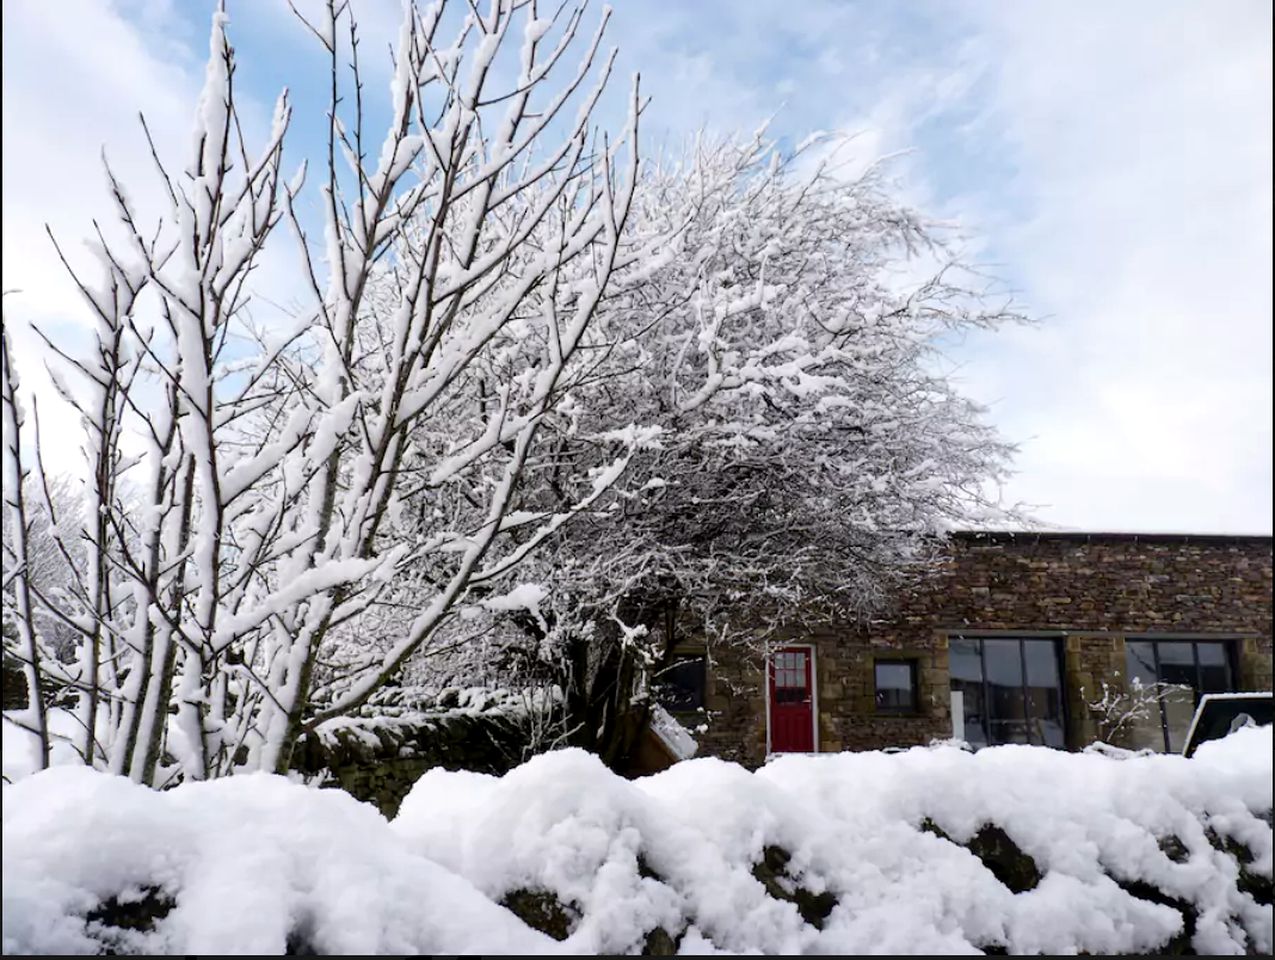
(934, 853)
(1091, 590)
(377, 760)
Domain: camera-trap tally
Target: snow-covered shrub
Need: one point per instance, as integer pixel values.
(848, 853)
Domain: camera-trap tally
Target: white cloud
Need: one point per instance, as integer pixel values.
(76, 75)
(1114, 160)
(1113, 163)
(1142, 143)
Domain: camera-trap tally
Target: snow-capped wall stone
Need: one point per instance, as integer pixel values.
(377, 759)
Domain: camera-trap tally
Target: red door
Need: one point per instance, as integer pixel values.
(792, 728)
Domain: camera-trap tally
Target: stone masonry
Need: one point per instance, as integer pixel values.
(1089, 590)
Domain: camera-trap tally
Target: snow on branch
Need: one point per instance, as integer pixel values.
(262, 521)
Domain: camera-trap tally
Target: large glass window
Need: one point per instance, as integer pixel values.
(1010, 689)
(1168, 677)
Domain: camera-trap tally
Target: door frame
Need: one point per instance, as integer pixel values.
(814, 692)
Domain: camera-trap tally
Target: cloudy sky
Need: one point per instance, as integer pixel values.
(1111, 163)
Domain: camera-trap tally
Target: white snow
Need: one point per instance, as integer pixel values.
(21, 752)
(525, 596)
(672, 734)
(251, 858)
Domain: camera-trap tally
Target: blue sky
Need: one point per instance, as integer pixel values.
(1109, 162)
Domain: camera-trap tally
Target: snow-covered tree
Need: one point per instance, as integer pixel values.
(255, 521)
(17, 557)
(48, 566)
(806, 447)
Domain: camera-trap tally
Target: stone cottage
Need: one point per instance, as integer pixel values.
(1014, 639)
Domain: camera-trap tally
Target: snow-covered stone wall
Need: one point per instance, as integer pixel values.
(933, 850)
(377, 758)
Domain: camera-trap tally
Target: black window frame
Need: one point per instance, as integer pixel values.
(1056, 640)
(1228, 646)
(699, 691)
(912, 708)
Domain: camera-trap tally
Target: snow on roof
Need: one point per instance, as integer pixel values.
(1053, 533)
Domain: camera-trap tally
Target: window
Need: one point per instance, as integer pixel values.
(680, 688)
(896, 686)
(1010, 689)
(791, 677)
(1190, 668)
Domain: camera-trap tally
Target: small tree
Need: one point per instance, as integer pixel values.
(17, 562)
(1121, 710)
(48, 566)
(257, 518)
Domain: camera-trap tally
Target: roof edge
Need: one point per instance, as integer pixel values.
(1001, 536)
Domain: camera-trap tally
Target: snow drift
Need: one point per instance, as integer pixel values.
(933, 850)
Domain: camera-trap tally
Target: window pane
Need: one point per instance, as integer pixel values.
(1144, 732)
(1177, 662)
(1004, 664)
(1215, 679)
(1044, 711)
(964, 660)
(1010, 731)
(1215, 669)
(1042, 663)
(1212, 653)
(1140, 661)
(965, 668)
(894, 676)
(790, 677)
(1006, 702)
(975, 731)
(1175, 652)
(1044, 692)
(895, 689)
(1179, 708)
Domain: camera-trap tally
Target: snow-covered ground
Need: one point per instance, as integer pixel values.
(251, 862)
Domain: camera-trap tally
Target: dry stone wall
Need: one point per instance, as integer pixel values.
(377, 760)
